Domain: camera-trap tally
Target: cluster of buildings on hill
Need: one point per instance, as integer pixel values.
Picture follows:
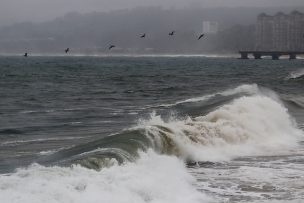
(281, 32)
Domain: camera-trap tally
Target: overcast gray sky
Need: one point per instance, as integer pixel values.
(12, 11)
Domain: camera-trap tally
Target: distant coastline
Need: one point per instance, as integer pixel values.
(125, 55)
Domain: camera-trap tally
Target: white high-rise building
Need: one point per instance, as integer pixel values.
(280, 32)
(210, 27)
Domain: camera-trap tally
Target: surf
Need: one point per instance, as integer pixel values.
(151, 178)
(296, 74)
(147, 162)
(255, 122)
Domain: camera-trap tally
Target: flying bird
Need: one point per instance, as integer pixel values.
(143, 35)
(25, 54)
(67, 50)
(111, 47)
(172, 33)
(201, 36)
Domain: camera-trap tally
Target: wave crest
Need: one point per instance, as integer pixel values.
(248, 126)
(296, 74)
(255, 124)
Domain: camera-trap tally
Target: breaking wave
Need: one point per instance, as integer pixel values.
(245, 90)
(145, 163)
(256, 123)
(296, 74)
(248, 126)
(152, 178)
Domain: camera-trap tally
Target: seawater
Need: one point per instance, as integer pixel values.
(151, 129)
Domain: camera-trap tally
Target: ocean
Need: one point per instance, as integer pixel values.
(151, 130)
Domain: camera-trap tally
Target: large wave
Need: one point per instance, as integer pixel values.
(250, 125)
(256, 123)
(145, 163)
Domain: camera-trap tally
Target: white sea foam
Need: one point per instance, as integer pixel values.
(20, 142)
(153, 178)
(49, 152)
(279, 180)
(250, 125)
(249, 89)
(280, 201)
(296, 74)
(256, 124)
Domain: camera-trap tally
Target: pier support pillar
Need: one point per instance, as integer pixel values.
(292, 56)
(275, 57)
(244, 56)
(257, 56)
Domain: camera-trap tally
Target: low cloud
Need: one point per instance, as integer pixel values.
(12, 11)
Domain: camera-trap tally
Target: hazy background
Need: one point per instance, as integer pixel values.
(12, 11)
(89, 26)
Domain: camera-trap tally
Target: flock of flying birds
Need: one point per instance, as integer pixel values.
(67, 50)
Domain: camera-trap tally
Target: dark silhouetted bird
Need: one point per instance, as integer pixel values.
(111, 47)
(172, 33)
(201, 36)
(25, 54)
(67, 50)
(143, 35)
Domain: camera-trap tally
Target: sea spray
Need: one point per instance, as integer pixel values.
(255, 124)
(152, 178)
(250, 125)
(296, 74)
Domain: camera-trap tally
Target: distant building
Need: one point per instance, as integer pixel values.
(280, 32)
(210, 27)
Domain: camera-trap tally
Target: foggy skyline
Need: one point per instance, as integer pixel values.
(14, 11)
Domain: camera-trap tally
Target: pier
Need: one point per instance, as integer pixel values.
(274, 54)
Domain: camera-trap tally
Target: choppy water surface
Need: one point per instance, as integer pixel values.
(151, 129)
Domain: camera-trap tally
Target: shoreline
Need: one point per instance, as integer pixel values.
(127, 55)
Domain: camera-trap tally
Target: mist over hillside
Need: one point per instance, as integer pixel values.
(92, 33)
